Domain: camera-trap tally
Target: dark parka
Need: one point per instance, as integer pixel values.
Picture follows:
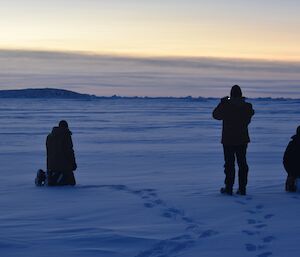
(236, 115)
(291, 158)
(60, 153)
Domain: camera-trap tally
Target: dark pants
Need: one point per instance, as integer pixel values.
(292, 170)
(230, 153)
(293, 174)
(56, 178)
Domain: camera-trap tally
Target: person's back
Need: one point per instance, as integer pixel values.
(60, 156)
(236, 115)
(291, 161)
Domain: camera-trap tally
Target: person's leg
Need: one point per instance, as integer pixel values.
(56, 178)
(290, 183)
(229, 166)
(241, 152)
(53, 178)
(69, 178)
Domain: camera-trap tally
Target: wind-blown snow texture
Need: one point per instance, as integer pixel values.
(148, 181)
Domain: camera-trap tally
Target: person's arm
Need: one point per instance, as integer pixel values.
(287, 154)
(219, 111)
(251, 112)
(70, 152)
(47, 152)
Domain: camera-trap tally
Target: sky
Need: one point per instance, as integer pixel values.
(255, 31)
(219, 28)
(107, 75)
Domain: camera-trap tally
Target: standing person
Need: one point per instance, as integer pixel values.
(60, 156)
(291, 162)
(236, 115)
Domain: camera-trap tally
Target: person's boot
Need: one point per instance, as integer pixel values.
(226, 190)
(40, 178)
(241, 191)
(290, 184)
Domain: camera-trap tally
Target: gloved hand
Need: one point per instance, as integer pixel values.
(224, 99)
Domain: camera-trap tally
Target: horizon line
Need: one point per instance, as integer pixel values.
(139, 56)
(115, 96)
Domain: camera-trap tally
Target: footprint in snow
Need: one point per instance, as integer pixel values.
(186, 237)
(250, 233)
(251, 212)
(250, 247)
(153, 194)
(173, 213)
(258, 225)
(208, 233)
(148, 205)
(268, 239)
(120, 187)
(194, 228)
(169, 247)
(187, 219)
(268, 216)
(254, 248)
(252, 221)
(261, 226)
(259, 207)
(159, 202)
(266, 254)
(142, 191)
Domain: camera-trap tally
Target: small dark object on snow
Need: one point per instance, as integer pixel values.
(40, 179)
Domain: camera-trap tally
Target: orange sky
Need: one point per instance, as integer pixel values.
(236, 28)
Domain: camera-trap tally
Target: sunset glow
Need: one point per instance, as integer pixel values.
(236, 29)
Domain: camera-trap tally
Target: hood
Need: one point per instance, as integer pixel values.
(60, 131)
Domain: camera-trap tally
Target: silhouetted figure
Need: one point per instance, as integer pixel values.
(291, 162)
(236, 115)
(60, 156)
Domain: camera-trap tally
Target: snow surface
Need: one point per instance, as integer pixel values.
(148, 181)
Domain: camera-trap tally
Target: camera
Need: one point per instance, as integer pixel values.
(224, 99)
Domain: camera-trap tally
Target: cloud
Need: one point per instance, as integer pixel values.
(123, 75)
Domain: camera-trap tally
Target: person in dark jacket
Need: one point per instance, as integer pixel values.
(236, 115)
(60, 156)
(291, 162)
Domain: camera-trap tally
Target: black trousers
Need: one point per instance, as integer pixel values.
(56, 178)
(292, 170)
(293, 173)
(238, 152)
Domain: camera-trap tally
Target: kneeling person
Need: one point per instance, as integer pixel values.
(291, 162)
(60, 156)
